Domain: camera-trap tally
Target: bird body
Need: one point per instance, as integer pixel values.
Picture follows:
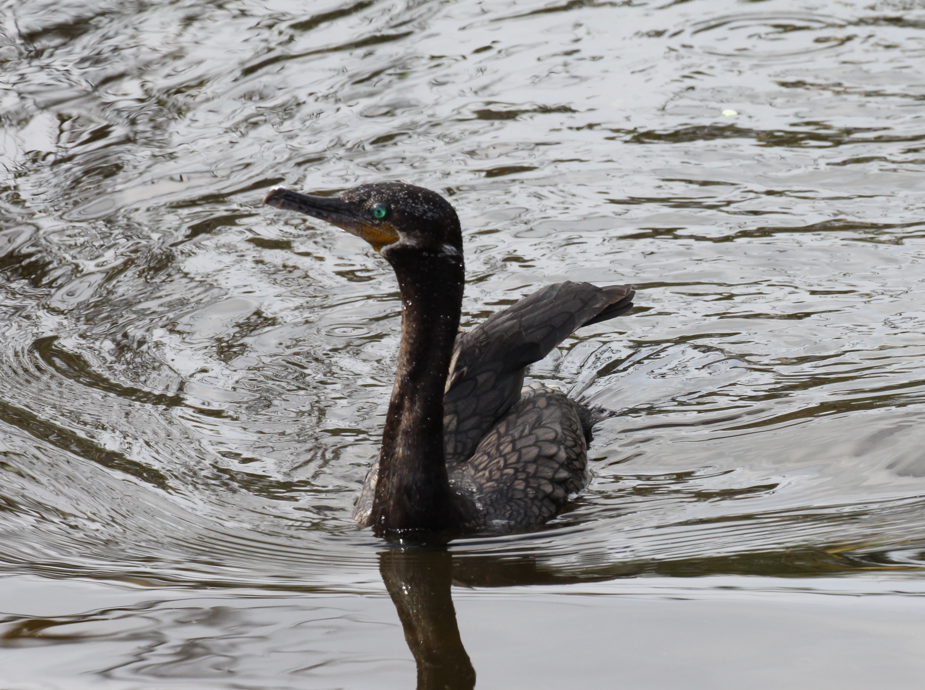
(466, 448)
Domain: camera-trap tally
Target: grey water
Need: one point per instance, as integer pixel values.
(192, 385)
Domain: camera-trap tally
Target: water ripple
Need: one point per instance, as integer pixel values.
(191, 389)
(768, 34)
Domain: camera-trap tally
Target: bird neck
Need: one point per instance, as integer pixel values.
(413, 490)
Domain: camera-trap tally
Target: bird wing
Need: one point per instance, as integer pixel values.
(490, 361)
(529, 463)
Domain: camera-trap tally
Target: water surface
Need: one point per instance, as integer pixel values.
(192, 385)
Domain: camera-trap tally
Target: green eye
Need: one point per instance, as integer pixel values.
(380, 212)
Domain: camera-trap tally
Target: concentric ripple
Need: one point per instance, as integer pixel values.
(768, 35)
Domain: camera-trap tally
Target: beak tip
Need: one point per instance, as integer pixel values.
(272, 197)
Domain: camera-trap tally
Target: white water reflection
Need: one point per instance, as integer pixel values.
(192, 386)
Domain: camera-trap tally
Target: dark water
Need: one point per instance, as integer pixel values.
(192, 385)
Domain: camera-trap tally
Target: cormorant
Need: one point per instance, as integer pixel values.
(466, 448)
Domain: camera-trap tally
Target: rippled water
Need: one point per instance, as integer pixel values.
(192, 385)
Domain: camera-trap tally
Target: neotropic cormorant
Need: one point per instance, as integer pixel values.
(466, 447)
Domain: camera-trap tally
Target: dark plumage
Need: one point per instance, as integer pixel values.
(466, 448)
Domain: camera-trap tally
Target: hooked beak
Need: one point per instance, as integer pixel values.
(335, 211)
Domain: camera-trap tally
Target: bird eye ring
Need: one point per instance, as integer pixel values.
(380, 211)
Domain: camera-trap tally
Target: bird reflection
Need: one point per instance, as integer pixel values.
(419, 580)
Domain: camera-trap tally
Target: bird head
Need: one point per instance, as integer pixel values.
(388, 215)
